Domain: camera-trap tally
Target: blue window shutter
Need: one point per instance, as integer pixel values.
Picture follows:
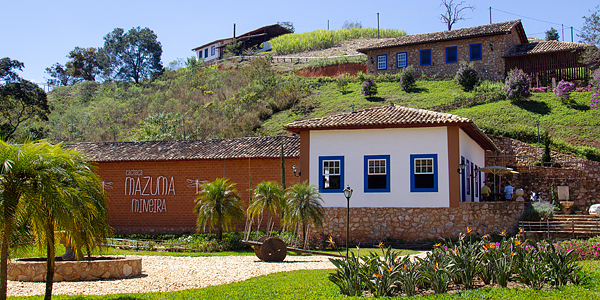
(475, 51)
(425, 57)
(451, 54)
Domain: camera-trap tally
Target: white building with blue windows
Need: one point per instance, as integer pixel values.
(393, 156)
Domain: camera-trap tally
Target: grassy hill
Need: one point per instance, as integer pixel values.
(199, 103)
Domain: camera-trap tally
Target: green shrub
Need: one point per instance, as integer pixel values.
(543, 210)
(408, 78)
(342, 82)
(537, 163)
(467, 76)
(394, 77)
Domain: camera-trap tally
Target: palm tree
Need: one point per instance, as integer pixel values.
(304, 207)
(18, 168)
(49, 188)
(267, 195)
(218, 204)
(70, 199)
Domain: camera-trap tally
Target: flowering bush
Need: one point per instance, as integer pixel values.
(467, 76)
(563, 90)
(516, 85)
(584, 250)
(541, 89)
(407, 78)
(588, 88)
(369, 88)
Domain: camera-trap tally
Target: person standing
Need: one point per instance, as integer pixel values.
(486, 193)
(509, 189)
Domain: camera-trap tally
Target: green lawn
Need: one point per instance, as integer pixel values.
(313, 284)
(568, 123)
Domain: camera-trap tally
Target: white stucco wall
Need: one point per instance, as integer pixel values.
(210, 57)
(399, 143)
(475, 155)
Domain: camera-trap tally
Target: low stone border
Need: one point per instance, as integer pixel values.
(84, 270)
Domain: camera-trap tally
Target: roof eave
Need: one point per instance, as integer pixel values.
(433, 41)
(375, 126)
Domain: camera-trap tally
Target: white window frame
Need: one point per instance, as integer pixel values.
(398, 60)
(382, 62)
(374, 167)
(418, 169)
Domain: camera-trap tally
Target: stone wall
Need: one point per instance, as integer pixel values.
(491, 66)
(582, 176)
(24, 270)
(410, 224)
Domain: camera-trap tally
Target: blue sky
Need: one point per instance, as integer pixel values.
(41, 33)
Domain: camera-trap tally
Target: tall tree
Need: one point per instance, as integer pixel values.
(134, 55)
(590, 33)
(60, 76)
(20, 100)
(304, 207)
(454, 12)
(218, 204)
(83, 63)
(552, 34)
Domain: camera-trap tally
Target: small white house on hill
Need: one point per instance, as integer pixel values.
(393, 157)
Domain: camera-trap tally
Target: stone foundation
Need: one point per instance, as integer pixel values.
(374, 224)
(105, 268)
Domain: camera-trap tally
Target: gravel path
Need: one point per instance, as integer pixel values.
(167, 274)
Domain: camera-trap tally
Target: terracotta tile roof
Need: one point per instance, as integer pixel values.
(251, 147)
(485, 30)
(382, 116)
(544, 47)
(393, 116)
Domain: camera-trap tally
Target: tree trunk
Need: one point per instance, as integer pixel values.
(304, 235)
(219, 229)
(49, 261)
(4, 259)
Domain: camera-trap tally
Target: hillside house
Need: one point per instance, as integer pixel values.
(494, 49)
(215, 49)
(413, 172)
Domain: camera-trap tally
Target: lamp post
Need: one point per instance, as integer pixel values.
(537, 123)
(347, 193)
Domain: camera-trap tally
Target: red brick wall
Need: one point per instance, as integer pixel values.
(173, 212)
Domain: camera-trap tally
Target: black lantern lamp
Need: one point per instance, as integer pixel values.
(347, 193)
